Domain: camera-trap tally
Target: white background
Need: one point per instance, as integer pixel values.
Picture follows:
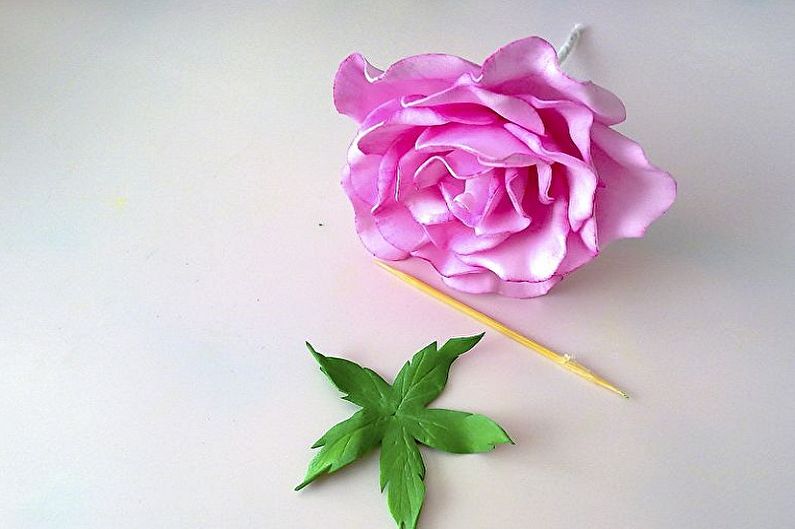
(172, 230)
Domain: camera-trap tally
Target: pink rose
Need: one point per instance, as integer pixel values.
(505, 177)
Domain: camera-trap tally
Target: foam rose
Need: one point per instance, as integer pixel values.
(506, 177)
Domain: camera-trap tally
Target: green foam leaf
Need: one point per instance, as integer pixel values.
(396, 417)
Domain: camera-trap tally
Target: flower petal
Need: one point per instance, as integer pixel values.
(464, 165)
(399, 228)
(455, 237)
(366, 227)
(530, 67)
(427, 206)
(430, 172)
(359, 87)
(483, 282)
(377, 138)
(516, 186)
(589, 237)
(500, 216)
(531, 255)
(458, 164)
(527, 289)
(446, 263)
(491, 142)
(635, 193)
(544, 174)
(465, 113)
(487, 282)
(568, 123)
(577, 254)
(388, 176)
(380, 114)
(359, 176)
(467, 199)
(511, 108)
(581, 177)
(409, 163)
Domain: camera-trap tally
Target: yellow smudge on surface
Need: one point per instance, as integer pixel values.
(120, 203)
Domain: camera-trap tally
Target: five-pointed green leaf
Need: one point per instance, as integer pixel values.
(396, 417)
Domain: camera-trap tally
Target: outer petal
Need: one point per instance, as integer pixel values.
(577, 254)
(526, 289)
(530, 67)
(366, 227)
(359, 87)
(483, 282)
(487, 282)
(398, 227)
(476, 280)
(359, 176)
(635, 193)
(394, 232)
(446, 263)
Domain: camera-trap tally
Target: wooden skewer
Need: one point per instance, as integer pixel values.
(565, 361)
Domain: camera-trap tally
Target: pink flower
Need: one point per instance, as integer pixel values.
(505, 176)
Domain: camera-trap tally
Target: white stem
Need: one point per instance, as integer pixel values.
(571, 42)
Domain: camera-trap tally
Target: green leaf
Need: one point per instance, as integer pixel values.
(344, 443)
(395, 416)
(423, 379)
(402, 472)
(456, 431)
(363, 386)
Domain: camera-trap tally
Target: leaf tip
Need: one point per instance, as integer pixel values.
(460, 345)
(507, 437)
(314, 353)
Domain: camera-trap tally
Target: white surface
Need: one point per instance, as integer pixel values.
(164, 169)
